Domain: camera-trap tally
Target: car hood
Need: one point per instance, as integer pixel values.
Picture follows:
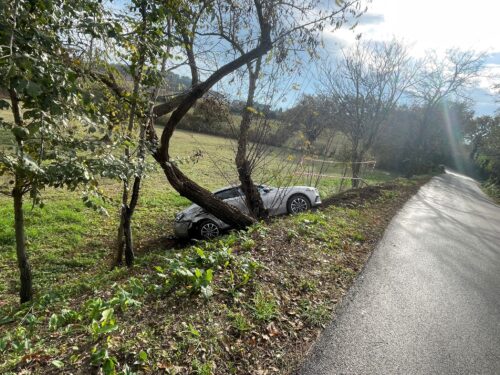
(191, 211)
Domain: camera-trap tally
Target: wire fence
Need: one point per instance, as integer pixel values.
(317, 170)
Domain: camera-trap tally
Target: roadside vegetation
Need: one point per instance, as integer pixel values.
(484, 136)
(68, 240)
(251, 301)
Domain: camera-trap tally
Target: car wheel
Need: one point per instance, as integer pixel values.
(298, 203)
(207, 229)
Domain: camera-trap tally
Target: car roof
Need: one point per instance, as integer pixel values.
(225, 188)
(237, 186)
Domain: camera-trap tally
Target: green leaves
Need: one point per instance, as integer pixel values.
(33, 89)
(100, 357)
(57, 364)
(20, 133)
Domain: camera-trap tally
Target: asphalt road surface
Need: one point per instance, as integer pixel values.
(428, 301)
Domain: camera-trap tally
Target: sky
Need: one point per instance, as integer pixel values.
(436, 25)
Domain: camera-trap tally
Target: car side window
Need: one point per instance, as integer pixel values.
(228, 193)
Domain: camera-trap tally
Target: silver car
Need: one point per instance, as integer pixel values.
(194, 221)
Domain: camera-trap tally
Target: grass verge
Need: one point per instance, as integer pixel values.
(492, 190)
(248, 303)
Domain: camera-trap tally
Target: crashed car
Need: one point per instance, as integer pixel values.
(194, 221)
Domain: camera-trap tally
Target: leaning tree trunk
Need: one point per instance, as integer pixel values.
(160, 148)
(26, 291)
(202, 197)
(252, 196)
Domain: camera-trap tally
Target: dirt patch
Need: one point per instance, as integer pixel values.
(356, 197)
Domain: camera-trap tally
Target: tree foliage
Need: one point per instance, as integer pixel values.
(55, 143)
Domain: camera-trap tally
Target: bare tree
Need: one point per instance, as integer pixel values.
(364, 86)
(440, 79)
(278, 22)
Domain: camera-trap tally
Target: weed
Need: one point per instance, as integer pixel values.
(389, 194)
(17, 341)
(239, 322)
(291, 234)
(202, 368)
(307, 285)
(100, 357)
(358, 236)
(105, 325)
(341, 271)
(314, 314)
(260, 228)
(66, 317)
(265, 307)
(248, 244)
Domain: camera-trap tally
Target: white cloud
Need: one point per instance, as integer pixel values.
(433, 25)
(438, 25)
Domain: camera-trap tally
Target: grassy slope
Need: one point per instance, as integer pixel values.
(69, 248)
(269, 293)
(67, 242)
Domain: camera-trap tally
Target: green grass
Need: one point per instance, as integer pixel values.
(270, 293)
(68, 243)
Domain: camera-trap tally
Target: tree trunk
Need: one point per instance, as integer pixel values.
(252, 196)
(127, 232)
(356, 168)
(125, 244)
(160, 148)
(26, 291)
(120, 243)
(202, 197)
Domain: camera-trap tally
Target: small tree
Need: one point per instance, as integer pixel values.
(144, 45)
(45, 97)
(312, 115)
(364, 86)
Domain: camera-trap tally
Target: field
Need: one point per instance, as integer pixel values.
(67, 240)
(70, 247)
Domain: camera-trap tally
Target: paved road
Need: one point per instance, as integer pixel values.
(428, 301)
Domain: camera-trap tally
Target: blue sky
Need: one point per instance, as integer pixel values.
(436, 25)
(424, 25)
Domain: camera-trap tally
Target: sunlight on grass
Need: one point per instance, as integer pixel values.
(67, 240)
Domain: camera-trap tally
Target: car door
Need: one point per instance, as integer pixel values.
(234, 196)
(269, 197)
